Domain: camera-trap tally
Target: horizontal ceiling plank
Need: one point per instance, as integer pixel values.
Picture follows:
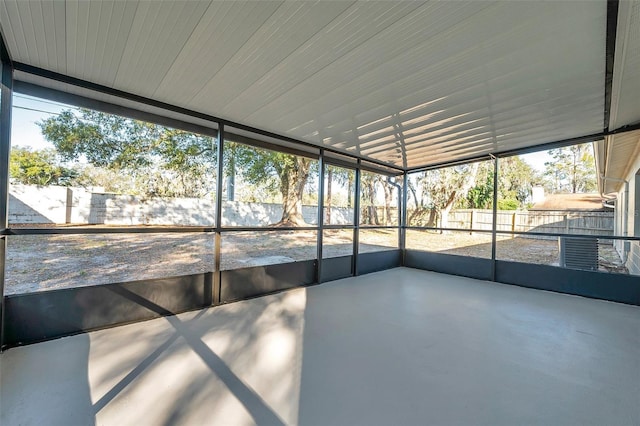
(224, 28)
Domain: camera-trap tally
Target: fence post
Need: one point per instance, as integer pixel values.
(69, 206)
(565, 218)
(513, 223)
(473, 214)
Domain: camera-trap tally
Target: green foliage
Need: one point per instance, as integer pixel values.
(572, 170)
(469, 186)
(259, 167)
(273, 172)
(508, 204)
(515, 180)
(481, 195)
(156, 161)
(143, 158)
(38, 168)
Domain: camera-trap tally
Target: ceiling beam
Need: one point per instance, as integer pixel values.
(4, 52)
(610, 52)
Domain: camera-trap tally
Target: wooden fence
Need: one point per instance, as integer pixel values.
(560, 222)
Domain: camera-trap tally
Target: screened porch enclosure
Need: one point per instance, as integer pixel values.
(215, 177)
(160, 188)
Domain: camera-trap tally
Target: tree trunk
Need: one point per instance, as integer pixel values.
(231, 178)
(292, 182)
(444, 221)
(373, 212)
(433, 215)
(388, 195)
(418, 209)
(462, 190)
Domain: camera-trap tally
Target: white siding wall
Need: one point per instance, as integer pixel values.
(632, 217)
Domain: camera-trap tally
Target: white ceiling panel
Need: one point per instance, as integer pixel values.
(224, 28)
(495, 69)
(346, 32)
(406, 83)
(97, 41)
(158, 34)
(285, 31)
(37, 29)
(66, 88)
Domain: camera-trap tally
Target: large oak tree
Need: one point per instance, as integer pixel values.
(172, 163)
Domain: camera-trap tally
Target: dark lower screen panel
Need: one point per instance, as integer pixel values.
(471, 267)
(379, 261)
(244, 283)
(335, 268)
(45, 315)
(598, 285)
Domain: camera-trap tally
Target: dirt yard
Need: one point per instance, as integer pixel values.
(42, 262)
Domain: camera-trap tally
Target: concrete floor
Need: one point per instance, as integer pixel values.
(397, 347)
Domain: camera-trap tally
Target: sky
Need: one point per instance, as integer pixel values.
(28, 111)
(537, 159)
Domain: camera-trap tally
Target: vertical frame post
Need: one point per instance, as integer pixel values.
(320, 235)
(217, 234)
(6, 93)
(495, 219)
(356, 221)
(403, 217)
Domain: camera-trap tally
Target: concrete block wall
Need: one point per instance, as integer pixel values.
(32, 204)
(238, 213)
(130, 210)
(114, 209)
(60, 205)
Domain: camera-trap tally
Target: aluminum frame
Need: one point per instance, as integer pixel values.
(6, 94)
(320, 220)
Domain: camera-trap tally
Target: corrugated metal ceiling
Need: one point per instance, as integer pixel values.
(407, 83)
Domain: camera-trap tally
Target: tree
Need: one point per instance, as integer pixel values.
(372, 186)
(285, 173)
(39, 167)
(369, 212)
(515, 181)
(158, 161)
(439, 190)
(572, 169)
(480, 196)
(166, 162)
(343, 177)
